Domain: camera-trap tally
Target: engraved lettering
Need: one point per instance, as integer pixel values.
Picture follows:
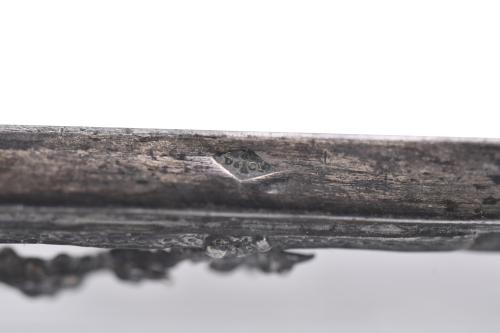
(264, 166)
(244, 164)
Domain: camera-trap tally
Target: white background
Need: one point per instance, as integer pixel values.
(427, 67)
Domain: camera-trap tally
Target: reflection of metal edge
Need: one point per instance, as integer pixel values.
(38, 277)
(159, 228)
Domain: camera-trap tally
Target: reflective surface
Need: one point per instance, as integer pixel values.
(345, 290)
(37, 277)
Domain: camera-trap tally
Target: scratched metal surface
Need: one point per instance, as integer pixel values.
(150, 188)
(326, 174)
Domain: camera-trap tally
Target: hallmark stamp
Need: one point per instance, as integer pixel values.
(244, 164)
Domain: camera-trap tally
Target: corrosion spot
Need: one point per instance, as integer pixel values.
(450, 205)
(490, 201)
(495, 179)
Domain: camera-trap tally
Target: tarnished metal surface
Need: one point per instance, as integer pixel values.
(157, 188)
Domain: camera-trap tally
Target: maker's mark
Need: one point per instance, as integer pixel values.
(244, 164)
